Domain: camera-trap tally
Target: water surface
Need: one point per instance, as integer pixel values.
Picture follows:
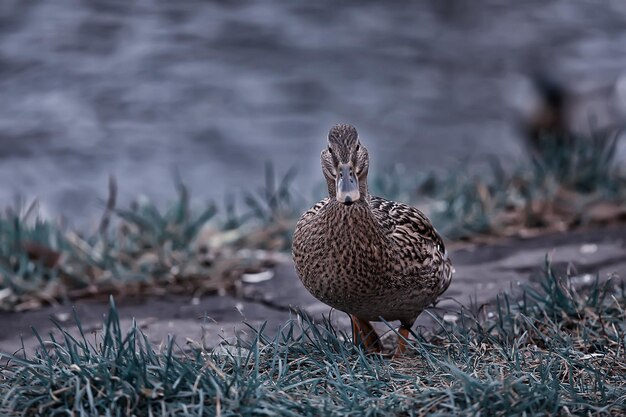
(216, 89)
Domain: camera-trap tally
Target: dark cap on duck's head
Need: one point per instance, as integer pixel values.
(345, 164)
(343, 134)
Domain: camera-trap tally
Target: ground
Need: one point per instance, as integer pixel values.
(482, 272)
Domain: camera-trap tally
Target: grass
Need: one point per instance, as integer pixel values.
(139, 249)
(144, 249)
(551, 350)
(567, 183)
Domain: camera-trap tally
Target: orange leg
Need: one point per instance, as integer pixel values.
(404, 332)
(363, 332)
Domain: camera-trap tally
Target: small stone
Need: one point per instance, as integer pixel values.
(231, 351)
(582, 279)
(62, 317)
(589, 248)
(258, 277)
(5, 293)
(450, 318)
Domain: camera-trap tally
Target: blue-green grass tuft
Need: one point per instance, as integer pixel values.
(553, 350)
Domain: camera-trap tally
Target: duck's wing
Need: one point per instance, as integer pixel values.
(420, 249)
(303, 235)
(312, 212)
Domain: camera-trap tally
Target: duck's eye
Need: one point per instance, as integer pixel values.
(358, 146)
(330, 151)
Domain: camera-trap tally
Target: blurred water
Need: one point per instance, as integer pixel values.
(216, 89)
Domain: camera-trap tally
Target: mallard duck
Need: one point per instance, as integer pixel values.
(372, 258)
(550, 113)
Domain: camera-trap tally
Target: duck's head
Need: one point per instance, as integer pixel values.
(345, 164)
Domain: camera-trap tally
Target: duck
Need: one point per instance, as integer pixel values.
(550, 113)
(372, 258)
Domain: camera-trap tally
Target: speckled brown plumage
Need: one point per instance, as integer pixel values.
(373, 258)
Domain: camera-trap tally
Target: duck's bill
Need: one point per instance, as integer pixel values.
(347, 186)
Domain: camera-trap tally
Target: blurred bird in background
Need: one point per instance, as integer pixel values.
(550, 110)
